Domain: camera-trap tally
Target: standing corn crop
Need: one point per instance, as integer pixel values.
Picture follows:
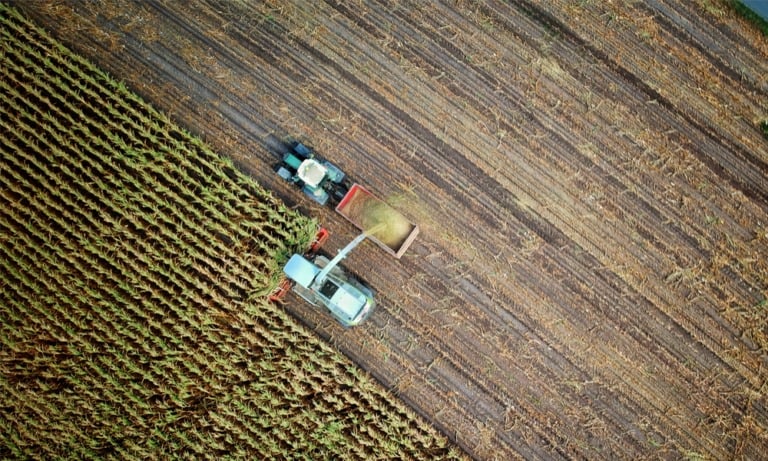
(134, 263)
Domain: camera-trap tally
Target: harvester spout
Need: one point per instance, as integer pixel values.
(345, 251)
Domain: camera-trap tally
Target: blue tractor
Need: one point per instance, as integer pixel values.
(318, 178)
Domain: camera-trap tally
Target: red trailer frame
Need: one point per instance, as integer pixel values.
(354, 206)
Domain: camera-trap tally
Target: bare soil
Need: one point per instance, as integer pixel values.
(590, 179)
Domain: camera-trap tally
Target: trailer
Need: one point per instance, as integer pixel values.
(386, 227)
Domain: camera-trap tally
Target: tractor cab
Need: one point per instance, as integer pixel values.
(319, 179)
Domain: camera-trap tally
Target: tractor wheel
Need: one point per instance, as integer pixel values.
(283, 172)
(302, 151)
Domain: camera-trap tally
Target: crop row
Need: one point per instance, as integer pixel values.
(134, 178)
(134, 263)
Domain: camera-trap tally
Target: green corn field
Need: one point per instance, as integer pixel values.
(134, 264)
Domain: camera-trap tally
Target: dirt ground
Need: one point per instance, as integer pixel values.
(590, 179)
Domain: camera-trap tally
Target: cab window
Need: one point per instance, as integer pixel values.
(328, 289)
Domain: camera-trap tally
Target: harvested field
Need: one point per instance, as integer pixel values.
(135, 265)
(590, 179)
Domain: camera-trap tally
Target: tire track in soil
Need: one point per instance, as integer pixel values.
(743, 178)
(700, 43)
(653, 211)
(470, 375)
(656, 214)
(410, 122)
(680, 18)
(571, 272)
(586, 163)
(705, 255)
(434, 177)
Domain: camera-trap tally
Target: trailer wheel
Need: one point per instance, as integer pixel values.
(337, 191)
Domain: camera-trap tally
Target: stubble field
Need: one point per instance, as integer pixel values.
(590, 179)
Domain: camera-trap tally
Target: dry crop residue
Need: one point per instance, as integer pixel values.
(589, 178)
